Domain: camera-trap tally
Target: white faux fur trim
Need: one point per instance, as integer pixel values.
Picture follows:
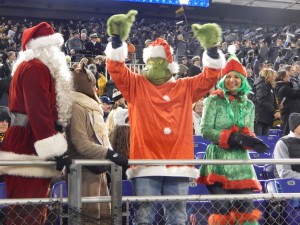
(172, 171)
(154, 52)
(28, 55)
(214, 63)
(45, 41)
(25, 171)
(52, 146)
(173, 67)
(118, 54)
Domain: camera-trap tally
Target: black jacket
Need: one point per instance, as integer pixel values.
(264, 101)
(193, 71)
(288, 99)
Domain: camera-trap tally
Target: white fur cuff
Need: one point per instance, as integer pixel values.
(214, 63)
(118, 54)
(51, 146)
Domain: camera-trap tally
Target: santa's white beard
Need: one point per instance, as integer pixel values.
(55, 60)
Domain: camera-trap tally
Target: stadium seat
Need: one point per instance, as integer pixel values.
(198, 211)
(268, 172)
(276, 132)
(283, 211)
(259, 172)
(199, 147)
(200, 155)
(2, 190)
(3, 208)
(255, 155)
(59, 190)
(200, 139)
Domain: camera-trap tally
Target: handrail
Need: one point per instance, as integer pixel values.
(88, 162)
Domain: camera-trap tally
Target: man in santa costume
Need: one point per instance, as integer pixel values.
(40, 100)
(160, 114)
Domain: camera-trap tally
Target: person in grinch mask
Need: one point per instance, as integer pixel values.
(228, 120)
(160, 113)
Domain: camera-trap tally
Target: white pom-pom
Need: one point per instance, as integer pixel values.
(167, 130)
(231, 49)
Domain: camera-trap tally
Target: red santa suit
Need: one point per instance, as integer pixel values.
(161, 121)
(35, 95)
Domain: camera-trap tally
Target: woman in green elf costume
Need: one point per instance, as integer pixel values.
(227, 121)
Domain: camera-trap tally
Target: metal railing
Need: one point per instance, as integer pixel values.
(75, 199)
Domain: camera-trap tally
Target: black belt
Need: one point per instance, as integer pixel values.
(21, 120)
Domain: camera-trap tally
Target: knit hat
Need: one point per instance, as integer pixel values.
(121, 117)
(39, 36)
(116, 95)
(294, 121)
(233, 63)
(84, 82)
(5, 114)
(161, 48)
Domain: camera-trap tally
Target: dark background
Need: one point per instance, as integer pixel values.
(87, 9)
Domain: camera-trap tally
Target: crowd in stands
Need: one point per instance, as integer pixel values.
(270, 54)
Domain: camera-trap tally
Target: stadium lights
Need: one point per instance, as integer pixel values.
(183, 2)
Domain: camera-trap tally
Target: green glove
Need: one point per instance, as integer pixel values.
(209, 34)
(120, 24)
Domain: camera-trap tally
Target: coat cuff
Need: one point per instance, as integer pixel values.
(213, 63)
(51, 146)
(118, 54)
(224, 136)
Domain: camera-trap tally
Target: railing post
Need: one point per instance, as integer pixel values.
(74, 193)
(116, 194)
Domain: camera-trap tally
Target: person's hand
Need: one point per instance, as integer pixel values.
(277, 115)
(116, 158)
(63, 161)
(238, 140)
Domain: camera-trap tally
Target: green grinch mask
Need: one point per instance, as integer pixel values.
(156, 71)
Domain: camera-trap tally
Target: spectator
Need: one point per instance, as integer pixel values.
(197, 114)
(288, 148)
(288, 99)
(181, 47)
(119, 103)
(195, 69)
(185, 62)
(40, 99)
(75, 43)
(94, 47)
(147, 42)
(88, 139)
(120, 140)
(131, 51)
(106, 105)
(265, 102)
(227, 122)
(182, 72)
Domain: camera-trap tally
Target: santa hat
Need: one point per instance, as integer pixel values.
(233, 63)
(39, 36)
(161, 48)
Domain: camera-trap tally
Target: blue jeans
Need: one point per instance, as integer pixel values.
(175, 212)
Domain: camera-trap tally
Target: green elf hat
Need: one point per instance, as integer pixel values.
(233, 63)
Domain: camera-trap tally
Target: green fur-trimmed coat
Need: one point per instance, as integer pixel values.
(216, 126)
